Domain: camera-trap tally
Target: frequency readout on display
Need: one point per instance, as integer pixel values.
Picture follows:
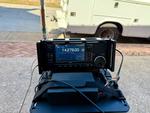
(70, 53)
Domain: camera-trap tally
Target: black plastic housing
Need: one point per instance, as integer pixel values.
(93, 47)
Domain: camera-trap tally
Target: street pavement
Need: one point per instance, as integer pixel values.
(22, 23)
(19, 19)
(24, 18)
(15, 76)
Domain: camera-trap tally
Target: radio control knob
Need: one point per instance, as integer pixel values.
(99, 61)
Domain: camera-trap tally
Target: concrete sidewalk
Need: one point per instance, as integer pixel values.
(20, 36)
(15, 76)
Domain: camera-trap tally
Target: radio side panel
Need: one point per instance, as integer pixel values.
(42, 56)
(111, 51)
(39, 56)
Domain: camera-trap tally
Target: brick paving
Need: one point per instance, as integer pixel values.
(17, 49)
(28, 49)
(19, 44)
(135, 49)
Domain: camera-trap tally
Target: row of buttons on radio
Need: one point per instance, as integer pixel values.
(74, 65)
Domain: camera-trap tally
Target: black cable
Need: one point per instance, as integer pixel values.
(33, 63)
(82, 94)
(120, 67)
(28, 87)
(43, 76)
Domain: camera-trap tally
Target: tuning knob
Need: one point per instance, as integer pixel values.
(100, 61)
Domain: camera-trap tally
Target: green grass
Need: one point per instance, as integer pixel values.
(30, 2)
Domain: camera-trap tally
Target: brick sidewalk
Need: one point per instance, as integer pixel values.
(28, 49)
(17, 49)
(135, 49)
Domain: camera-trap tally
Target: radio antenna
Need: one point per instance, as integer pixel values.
(43, 19)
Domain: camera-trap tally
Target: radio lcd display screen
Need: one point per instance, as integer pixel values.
(70, 53)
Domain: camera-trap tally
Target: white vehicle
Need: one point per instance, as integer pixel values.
(106, 18)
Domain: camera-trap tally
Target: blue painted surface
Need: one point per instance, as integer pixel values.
(110, 105)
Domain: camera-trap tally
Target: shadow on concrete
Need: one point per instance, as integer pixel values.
(134, 40)
(129, 40)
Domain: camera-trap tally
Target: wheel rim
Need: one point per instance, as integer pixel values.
(107, 34)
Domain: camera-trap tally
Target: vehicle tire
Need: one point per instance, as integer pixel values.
(108, 32)
(148, 39)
